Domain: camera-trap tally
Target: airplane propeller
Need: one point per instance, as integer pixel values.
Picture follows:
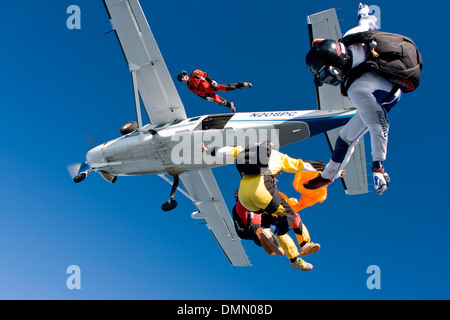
(78, 171)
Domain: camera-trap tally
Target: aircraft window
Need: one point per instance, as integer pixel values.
(214, 122)
(160, 125)
(194, 119)
(176, 122)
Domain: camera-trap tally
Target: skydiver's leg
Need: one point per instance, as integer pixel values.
(219, 100)
(345, 145)
(303, 238)
(284, 222)
(343, 150)
(222, 87)
(374, 96)
(233, 86)
(288, 244)
(374, 117)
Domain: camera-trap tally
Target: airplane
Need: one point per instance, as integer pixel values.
(167, 146)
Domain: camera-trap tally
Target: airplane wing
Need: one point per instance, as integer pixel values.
(150, 74)
(325, 25)
(205, 193)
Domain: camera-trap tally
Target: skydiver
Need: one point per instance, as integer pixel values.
(371, 93)
(258, 193)
(250, 225)
(200, 83)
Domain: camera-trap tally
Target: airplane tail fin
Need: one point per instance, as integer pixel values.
(325, 25)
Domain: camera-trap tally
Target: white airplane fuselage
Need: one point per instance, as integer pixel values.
(175, 147)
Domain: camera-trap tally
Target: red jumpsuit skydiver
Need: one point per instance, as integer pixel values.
(200, 83)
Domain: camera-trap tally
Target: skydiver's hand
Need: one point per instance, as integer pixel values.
(202, 148)
(363, 10)
(318, 165)
(381, 181)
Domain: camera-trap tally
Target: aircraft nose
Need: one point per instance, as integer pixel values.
(95, 155)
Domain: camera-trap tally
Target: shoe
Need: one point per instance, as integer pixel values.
(269, 239)
(232, 108)
(241, 85)
(309, 248)
(301, 265)
(316, 183)
(266, 248)
(380, 180)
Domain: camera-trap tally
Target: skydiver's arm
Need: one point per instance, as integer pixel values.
(211, 81)
(222, 152)
(366, 22)
(285, 163)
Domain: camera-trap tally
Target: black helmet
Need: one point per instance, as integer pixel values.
(181, 75)
(327, 60)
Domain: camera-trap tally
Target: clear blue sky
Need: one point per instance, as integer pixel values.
(59, 84)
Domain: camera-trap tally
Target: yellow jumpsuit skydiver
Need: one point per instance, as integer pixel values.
(259, 193)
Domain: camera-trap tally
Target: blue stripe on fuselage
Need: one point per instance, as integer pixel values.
(316, 125)
(321, 125)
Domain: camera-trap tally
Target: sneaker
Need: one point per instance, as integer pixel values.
(309, 248)
(301, 265)
(266, 247)
(316, 183)
(269, 239)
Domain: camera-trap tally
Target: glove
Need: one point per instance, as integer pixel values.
(318, 165)
(381, 181)
(363, 10)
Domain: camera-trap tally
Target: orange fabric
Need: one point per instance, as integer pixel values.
(308, 197)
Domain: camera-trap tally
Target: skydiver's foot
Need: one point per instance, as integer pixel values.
(269, 239)
(309, 248)
(241, 85)
(316, 183)
(266, 248)
(301, 265)
(231, 106)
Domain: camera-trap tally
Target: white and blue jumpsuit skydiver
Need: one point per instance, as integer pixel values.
(367, 93)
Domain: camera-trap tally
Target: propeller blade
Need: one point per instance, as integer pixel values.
(76, 168)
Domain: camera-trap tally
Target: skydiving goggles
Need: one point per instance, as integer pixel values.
(329, 75)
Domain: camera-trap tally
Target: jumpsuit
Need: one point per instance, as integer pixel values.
(368, 94)
(202, 85)
(258, 193)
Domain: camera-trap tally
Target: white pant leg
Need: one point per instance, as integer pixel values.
(350, 133)
(370, 116)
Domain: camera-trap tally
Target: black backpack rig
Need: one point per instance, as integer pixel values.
(394, 56)
(254, 159)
